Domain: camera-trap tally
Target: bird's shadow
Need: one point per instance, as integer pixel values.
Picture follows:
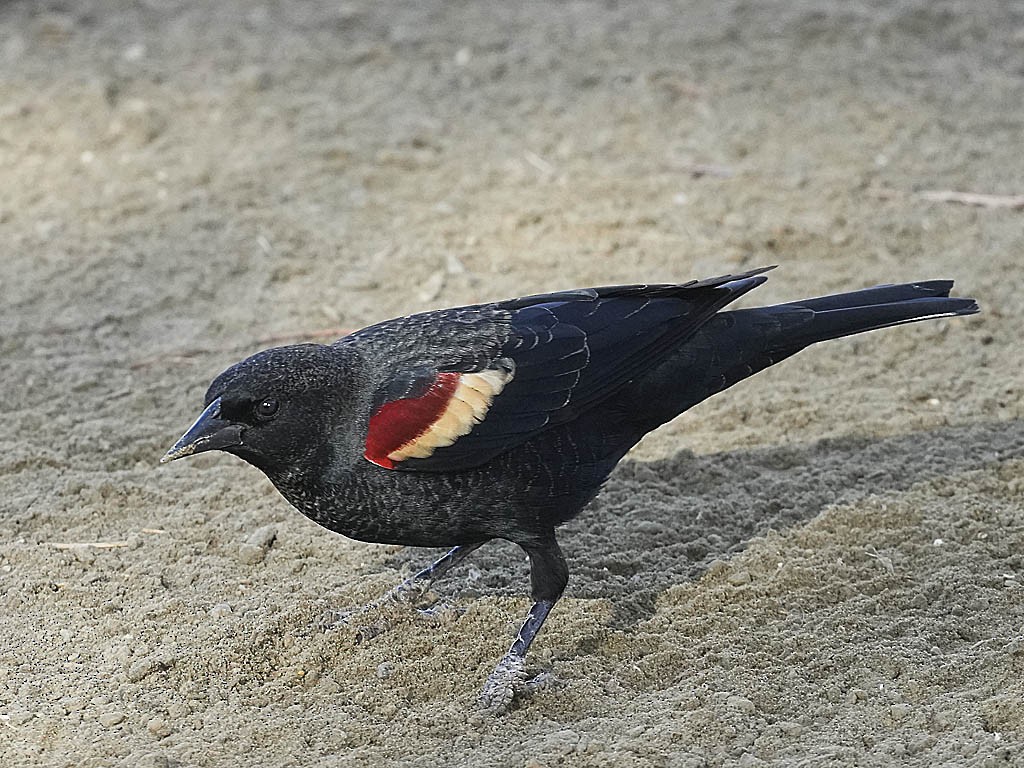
(664, 522)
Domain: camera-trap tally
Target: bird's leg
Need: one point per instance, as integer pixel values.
(409, 590)
(416, 585)
(548, 577)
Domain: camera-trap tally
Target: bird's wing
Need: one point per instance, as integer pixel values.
(557, 355)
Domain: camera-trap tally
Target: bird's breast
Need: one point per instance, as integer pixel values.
(382, 506)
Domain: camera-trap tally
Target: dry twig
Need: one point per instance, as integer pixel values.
(1013, 202)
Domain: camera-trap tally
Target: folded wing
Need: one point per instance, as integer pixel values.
(560, 355)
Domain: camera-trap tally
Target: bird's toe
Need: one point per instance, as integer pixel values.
(545, 681)
(440, 613)
(340, 620)
(503, 684)
(335, 619)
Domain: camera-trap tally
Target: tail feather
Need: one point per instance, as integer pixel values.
(844, 320)
(879, 294)
(736, 344)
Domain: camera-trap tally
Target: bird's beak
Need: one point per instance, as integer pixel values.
(210, 432)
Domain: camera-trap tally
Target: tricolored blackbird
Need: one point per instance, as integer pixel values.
(453, 427)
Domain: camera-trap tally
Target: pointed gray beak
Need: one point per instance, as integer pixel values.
(209, 433)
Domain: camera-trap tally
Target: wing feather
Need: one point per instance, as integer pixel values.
(557, 355)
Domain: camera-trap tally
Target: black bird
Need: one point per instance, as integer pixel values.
(454, 427)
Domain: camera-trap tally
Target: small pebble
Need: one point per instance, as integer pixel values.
(110, 719)
(738, 578)
(158, 727)
(257, 545)
(791, 729)
(561, 742)
(73, 704)
(899, 711)
(856, 694)
(741, 703)
(147, 666)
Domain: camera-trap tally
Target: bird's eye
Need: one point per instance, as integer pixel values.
(266, 409)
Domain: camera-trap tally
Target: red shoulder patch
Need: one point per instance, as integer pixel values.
(402, 421)
(414, 427)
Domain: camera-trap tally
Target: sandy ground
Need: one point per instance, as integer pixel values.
(821, 567)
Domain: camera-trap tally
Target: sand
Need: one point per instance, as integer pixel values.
(822, 566)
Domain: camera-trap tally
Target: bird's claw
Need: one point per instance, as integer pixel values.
(508, 682)
(439, 613)
(335, 619)
(507, 679)
(405, 594)
(545, 681)
(409, 593)
(391, 607)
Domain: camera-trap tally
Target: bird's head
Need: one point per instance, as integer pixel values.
(276, 409)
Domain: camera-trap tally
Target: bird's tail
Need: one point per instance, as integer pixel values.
(844, 314)
(736, 344)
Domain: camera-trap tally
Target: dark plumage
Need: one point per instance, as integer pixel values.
(454, 427)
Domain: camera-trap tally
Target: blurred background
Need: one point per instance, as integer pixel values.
(183, 183)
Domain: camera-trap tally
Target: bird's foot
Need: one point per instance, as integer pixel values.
(440, 612)
(351, 619)
(392, 607)
(407, 594)
(508, 682)
(507, 679)
(336, 619)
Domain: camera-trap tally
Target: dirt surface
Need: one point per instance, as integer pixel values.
(822, 566)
